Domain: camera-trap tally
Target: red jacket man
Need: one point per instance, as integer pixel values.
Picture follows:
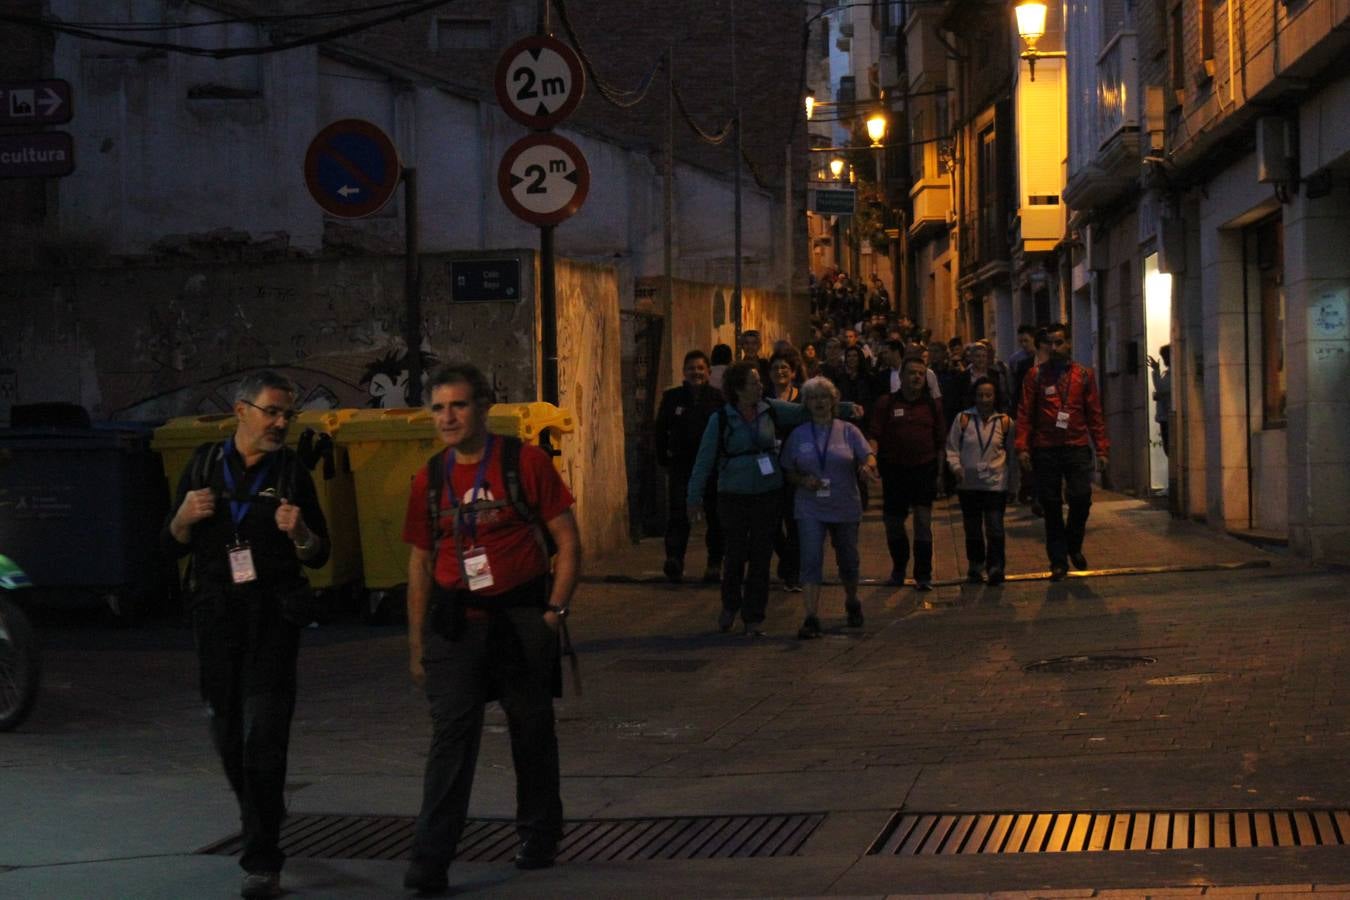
(1060, 427)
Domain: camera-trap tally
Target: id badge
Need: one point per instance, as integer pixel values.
(765, 464)
(241, 564)
(898, 413)
(982, 471)
(1051, 391)
(824, 489)
(679, 410)
(477, 570)
(1062, 420)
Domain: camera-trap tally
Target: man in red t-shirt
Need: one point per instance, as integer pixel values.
(483, 622)
(1059, 430)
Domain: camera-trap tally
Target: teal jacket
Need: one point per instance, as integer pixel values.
(738, 471)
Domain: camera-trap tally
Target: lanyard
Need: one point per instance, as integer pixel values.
(979, 433)
(752, 426)
(822, 451)
(469, 521)
(239, 509)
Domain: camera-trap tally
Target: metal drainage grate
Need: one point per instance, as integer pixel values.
(919, 834)
(656, 664)
(1067, 665)
(587, 840)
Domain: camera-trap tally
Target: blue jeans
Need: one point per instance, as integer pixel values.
(844, 536)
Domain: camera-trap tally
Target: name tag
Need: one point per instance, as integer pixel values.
(1051, 391)
(765, 464)
(477, 571)
(824, 489)
(241, 564)
(1062, 420)
(897, 414)
(679, 410)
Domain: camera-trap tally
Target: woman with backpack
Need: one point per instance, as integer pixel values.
(977, 454)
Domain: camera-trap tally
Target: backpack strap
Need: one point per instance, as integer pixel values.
(515, 493)
(435, 477)
(204, 459)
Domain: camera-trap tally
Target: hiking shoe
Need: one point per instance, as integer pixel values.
(897, 578)
(855, 615)
(1058, 572)
(536, 853)
(425, 878)
(674, 570)
(973, 573)
(725, 619)
(792, 587)
(810, 629)
(1079, 560)
(923, 584)
(712, 574)
(995, 576)
(754, 629)
(261, 884)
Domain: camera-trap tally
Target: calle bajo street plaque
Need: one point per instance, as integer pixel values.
(476, 280)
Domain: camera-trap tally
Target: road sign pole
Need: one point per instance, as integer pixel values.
(412, 286)
(548, 314)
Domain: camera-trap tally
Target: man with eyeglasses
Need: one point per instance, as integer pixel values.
(248, 513)
(1060, 428)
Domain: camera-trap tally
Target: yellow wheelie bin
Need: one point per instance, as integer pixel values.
(385, 447)
(532, 423)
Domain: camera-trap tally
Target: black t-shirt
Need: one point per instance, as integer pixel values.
(274, 556)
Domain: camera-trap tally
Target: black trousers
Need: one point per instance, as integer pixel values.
(1061, 472)
(677, 522)
(513, 659)
(248, 653)
(982, 515)
(748, 522)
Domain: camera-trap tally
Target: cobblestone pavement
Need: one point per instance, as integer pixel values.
(1233, 699)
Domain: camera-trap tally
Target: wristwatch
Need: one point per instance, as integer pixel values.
(560, 610)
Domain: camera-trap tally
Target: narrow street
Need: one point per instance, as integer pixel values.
(1213, 686)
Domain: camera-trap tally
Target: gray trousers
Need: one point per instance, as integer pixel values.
(514, 659)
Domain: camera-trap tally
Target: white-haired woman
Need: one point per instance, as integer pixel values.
(823, 459)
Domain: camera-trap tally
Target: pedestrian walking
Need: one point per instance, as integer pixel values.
(1056, 440)
(484, 618)
(908, 434)
(824, 459)
(740, 445)
(247, 512)
(721, 358)
(680, 421)
(977, 454)
(1161, 373)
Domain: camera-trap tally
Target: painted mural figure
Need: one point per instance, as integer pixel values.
(484, 619)
(387, 380)
(247, 511)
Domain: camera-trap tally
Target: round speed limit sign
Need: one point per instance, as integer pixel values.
(543, 179)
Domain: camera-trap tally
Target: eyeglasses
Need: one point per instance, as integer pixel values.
(276, 412)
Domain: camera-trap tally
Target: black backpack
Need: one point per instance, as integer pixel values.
(515, 496)
(722, 457)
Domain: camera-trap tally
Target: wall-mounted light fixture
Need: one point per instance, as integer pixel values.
(1031, 15)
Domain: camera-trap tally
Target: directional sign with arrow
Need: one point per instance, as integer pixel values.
(44, 102)
(539, 81)
(543, 179)
(351, 169)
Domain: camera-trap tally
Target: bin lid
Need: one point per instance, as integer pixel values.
(191, 431)
(325, 420)
(528, 420)
(400, 424)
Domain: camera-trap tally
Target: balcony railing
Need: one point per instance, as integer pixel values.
(1117, 77)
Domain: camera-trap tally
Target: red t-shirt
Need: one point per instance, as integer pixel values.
(513, 550)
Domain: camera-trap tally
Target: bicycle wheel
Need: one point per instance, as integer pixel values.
(20, 666)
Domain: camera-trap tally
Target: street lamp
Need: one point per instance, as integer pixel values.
(1031, 16)
(876, 128)
(810, 104)
(837, 167)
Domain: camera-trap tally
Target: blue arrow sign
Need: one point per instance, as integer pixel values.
(352, 169)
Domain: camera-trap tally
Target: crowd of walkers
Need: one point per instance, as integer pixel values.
(779, 451)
